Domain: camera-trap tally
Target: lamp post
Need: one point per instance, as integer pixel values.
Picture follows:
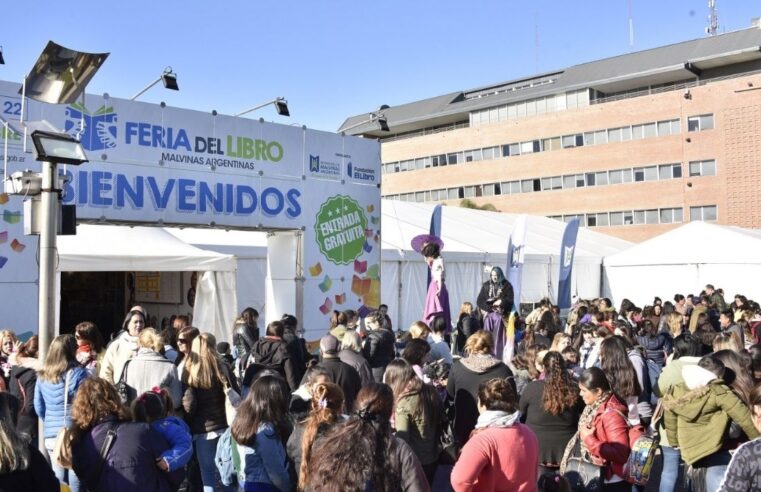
(281, 106)
(379, 118)
(169, 78)
(52, 149)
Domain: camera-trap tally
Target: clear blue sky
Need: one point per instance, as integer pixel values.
(334, 59)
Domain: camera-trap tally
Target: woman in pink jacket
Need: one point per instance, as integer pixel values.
(502, 454)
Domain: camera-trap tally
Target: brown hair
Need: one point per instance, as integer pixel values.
(560, 392)
(30, 349)
(266, 403)
(755, 400)
(327, 403)
(497, 394)
(96, 399)
(61, 355)
(87, 330)
(360, 450)
(201, 369)
(527, 360)
(481, 342)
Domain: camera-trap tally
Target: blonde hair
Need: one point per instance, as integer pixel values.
(674, 322)
(466, 308)
(481, 342)
(727, 341)
(202, 363)
(557, 339)
(418, 329)
(149, 338)
(351, 341)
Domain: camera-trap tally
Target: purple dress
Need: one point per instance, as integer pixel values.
(493, 324)
(437, 304)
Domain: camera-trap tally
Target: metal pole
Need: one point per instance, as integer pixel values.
(48, 231)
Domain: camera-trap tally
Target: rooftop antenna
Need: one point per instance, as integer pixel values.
(713, 19)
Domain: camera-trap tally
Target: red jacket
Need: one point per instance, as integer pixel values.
(498, 459)
(609, 443)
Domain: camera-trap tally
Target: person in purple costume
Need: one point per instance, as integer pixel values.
(437, 299)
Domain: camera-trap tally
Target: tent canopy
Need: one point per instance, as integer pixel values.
(695, 242)
(477, 235)
(683, 261)
(97, 248)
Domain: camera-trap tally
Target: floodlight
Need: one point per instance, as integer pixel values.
(281, 106)
(58, 147)
(60, 75)
(379, 118)
(169, 78)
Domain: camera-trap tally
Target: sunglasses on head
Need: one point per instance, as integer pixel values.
(182, 340)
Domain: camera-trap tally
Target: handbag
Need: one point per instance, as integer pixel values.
(62, 454)
(583, 475)
(121, 386)
(232, 400)
(449, 450)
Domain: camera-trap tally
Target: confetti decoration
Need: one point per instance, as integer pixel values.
(3, 237)
(12, 217)
(3, 261)
(340, 298)
(373, 272)
(370, 209)
(374, 220)
(315, 269)
(4, 197)
(17, 246)
(360, 286)
(367, 247)
(369, 233)
(326, 284)
(360, 266)
(372, 296)
(327, 306)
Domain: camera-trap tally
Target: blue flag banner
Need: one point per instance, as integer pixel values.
(515, 256)
(567, 250)
(434, 230)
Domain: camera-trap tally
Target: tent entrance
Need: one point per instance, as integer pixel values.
(92, 296)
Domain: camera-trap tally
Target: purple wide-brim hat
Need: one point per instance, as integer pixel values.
(418, 242)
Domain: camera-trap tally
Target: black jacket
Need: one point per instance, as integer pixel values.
(204, 409)
(38, 477)
(244, 338)
(484, 301)
(21, 385)
(344, 376)
(379, 351)
(272, 353)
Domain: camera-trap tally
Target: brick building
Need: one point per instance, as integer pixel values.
(633, 145)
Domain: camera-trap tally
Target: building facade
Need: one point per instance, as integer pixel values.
(633, 145)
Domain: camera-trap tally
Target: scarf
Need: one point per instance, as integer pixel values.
(587, 417)
(497, 418)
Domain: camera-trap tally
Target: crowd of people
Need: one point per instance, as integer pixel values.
(558, 405)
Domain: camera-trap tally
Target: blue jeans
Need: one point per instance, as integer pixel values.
(671, 460)
(62, 474)
(205, 450)
(714, 476)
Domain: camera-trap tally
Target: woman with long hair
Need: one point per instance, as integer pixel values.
(130, 462)
(416, 353)
(675, 323)
(622, 376)
(657, 344)
(327, 407)
(185, 338)
(551, 408)
(559, 342)
(467, 324)
(603, 433)
(22, 383)
(90, 346)
(524, 367)
(205, 379)
(362, 453)
(738, 372)
(57, 383)
(437, 298)
(8, 346)
(260, 431)
(466, 375)
(22, 466)
(417, 412)
(502, 453)
(123, 347)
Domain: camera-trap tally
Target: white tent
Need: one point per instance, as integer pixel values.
(474, 241)
(684, 260)
(97, 248)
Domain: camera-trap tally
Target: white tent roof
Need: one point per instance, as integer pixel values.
(121, 248)
(486, 234)
(694, 243)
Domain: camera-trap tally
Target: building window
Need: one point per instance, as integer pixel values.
(705, 212)
(452, 159)
(616, 218)
(616, 176)
(527, 186)
(590, 179)
(700, 123)
(703, 168)
(601, 178)
(651, 173)
(515, 187)
(602, 219)
(591, 220)
(569, 182)
(639, 174)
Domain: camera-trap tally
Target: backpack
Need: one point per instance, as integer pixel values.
(227, 459)
(642, 449)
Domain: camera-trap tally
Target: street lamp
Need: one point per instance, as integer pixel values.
(169, 78)
(2, 60)
(379, 118)
(281, 106)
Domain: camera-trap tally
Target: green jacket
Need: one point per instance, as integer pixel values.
(417, 429)
(697, 416)
(671, 375)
